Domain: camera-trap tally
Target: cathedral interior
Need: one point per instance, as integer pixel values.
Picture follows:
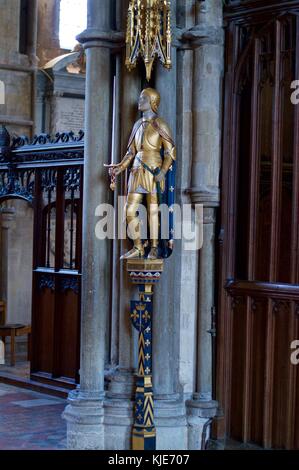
(207, 122)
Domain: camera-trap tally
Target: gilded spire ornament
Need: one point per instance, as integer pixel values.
(148, 33)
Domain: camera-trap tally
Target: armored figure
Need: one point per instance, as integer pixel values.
(151, 153)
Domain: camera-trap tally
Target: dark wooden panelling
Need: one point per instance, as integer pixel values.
(238, 369)
(68, 325)
(257, 386)
(42, 357)
(47, 172)
(56, 331)
(259, 313)
(281, 311)
(295, 441)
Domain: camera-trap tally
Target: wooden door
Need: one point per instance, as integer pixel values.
(56, 275)
(257, 385)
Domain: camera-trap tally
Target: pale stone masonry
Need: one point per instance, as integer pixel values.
(182, 347)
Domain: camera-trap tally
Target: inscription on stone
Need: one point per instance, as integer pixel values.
(69, 115)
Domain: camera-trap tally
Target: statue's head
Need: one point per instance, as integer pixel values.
(149, 99)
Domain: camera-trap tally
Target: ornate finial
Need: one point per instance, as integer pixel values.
(148, 33)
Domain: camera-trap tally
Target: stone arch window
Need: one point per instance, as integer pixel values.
(73, 20)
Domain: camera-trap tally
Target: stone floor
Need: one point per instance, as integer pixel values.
(30, 420)
(231, 444)
(20, 370)
(22, 366)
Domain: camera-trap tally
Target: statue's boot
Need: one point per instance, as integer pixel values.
(153, 254)
(135, 253)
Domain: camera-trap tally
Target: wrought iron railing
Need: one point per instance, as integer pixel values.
(20, 157)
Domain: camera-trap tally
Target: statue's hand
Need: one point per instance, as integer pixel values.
(160, 177)
(113, 169)
(117, 170)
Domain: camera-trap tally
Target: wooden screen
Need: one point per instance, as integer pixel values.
(257, 385)
(56, 282)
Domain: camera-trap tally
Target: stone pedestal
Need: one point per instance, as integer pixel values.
(144, 273)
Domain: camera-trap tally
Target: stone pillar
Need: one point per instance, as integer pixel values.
(7, 220)
(206, 38)
(170, 416)
(121, 379)
(186, 261)
(85, 413)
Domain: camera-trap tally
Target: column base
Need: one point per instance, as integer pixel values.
(199, 416)
(171, 424)
(85, 421)
(118, 408)
(169, 414)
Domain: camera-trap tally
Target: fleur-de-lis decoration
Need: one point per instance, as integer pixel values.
(146, 316)
(134, 315)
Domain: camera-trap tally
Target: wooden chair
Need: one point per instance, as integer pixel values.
(14, 330)
(2, 313)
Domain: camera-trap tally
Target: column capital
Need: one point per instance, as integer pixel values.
(93, 37)
(209, 197)
(202, 408)
(201, 35)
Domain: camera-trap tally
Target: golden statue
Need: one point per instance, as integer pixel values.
(151, 151)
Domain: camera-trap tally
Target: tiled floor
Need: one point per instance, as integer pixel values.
(30, 420)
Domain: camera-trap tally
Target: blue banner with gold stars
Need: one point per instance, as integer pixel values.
(168, 197)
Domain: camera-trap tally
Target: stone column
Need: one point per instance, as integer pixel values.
(186, 260)
(84, 414)
(169, 408)
(121, 380)
(7, 219)
(206, 38)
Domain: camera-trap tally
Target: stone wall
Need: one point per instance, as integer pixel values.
(48, 31)
(16, 260)
(17, 70)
